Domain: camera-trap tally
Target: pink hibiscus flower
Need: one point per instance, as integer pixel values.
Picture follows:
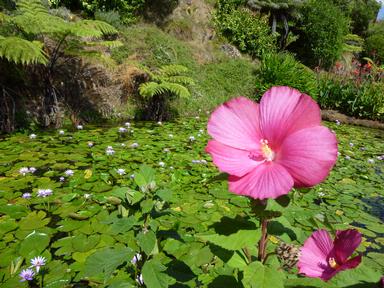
(320, 257)
(270, 147)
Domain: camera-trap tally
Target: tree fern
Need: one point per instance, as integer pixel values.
(22, 51)
(164, 85)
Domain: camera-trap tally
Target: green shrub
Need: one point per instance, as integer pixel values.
(359, 99)
(322, 33)
(248, 31)
(128, 9)
(283, 69)
(374, 43)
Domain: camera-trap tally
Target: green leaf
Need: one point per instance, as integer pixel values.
(165, 194)
(106, 261)
(256, 275)
(34, 243)
(147, 241)
(236, 241)
(153, 275)
(82, 243)
(34, 220)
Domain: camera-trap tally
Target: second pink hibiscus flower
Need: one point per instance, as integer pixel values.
(270, 147)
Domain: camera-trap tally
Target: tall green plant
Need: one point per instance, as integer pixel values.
(322, 32)
(283, 69)
(164, 85)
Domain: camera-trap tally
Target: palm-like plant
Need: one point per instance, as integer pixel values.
(32, 36)
(279, 10)
(164, 85)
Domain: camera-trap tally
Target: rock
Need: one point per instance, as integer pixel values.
(230, 50)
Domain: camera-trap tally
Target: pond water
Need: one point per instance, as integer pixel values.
(103, 197)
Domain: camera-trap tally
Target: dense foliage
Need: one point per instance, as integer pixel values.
(284, 70)
(374, 43)
(34, 36)
(359, 97)
(175, 211)
(361, 13)
(321, 34)
(249, 31)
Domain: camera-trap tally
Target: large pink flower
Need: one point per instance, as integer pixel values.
(270, 147)
(320, 257)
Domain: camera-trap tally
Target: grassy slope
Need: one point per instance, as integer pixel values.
(218, 77)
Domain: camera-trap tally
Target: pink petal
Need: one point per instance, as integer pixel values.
(231, 160)
(350, 264)
(268, 180)
(236, 124)
(309, 155)
(346, 243)
(283, 111)
(313, 261)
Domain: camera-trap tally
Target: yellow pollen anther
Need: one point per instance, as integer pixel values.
(268, 153)
(332, 262)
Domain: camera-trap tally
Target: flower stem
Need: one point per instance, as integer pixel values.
(263, 239)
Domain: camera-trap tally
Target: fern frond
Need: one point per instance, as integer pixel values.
(92, 28)
(150, 89)
(177, 89)
(109, 44)
(180, 79)
(4, 17)
(32, 7)
(22, 51)
(41, 23)
(172, 70)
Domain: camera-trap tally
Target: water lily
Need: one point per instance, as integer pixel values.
(120, 171)
(26, 275)
(140, 280)
(134, 145)
(23, 171)
(44, 193)
(38, 262)
(26, 195)
(270, 147)
(109, 151)
(320, 257)
(69, 172)
(136, 258)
